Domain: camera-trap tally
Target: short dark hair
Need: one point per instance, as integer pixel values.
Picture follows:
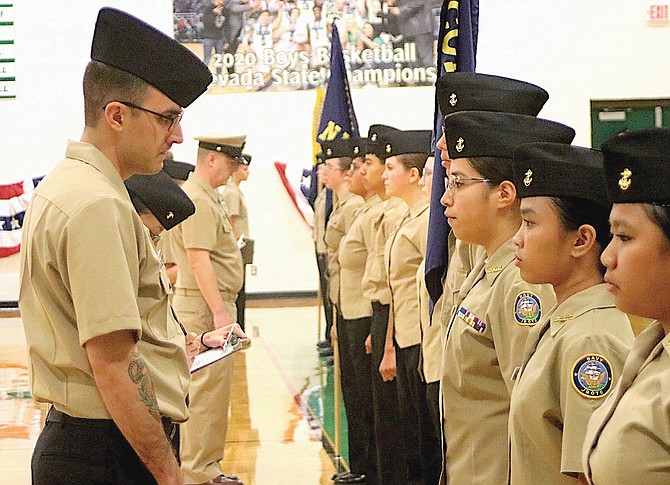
(344, 162)
(574, 212)
(413, 160)
(103, 84)
(659, 215)
(496, 169)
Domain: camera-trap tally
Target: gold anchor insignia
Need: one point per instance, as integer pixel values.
(453, 99)
(388, 148)
(170, 215)
(329, 152)
(374, 137)
(529, 178)
(624, 181)
(356, 150)
(460, 144)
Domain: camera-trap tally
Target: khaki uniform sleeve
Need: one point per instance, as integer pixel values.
(577, 408)
(101, 264)
(233, 202)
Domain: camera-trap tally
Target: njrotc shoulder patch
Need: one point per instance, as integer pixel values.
(592, 376)
(470, 319)
(527, 308)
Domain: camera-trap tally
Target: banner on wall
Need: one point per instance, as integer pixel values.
(274, 45)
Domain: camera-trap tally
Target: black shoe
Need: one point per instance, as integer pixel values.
(322, 344)
(326, 352)
(352, 478)
(340, 475)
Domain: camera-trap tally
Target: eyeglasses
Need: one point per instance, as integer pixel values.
(171, 121)
(454, 182)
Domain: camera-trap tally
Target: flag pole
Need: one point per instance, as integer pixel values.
(319, 306)
(336, 395)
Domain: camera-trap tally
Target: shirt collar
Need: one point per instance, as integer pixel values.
(418, 208)
(91, 155)
(501, 259)
(578, 304)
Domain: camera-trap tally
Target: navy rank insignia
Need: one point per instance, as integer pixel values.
(527, 308)
(470, 319)
(592, 376)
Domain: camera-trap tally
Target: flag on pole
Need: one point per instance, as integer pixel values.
(14, 200)
(457, 51)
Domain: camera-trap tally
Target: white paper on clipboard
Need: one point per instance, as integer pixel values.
(203, 359)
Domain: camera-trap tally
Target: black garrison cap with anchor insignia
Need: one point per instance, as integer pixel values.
(470, 91)
(560, 170)
(338, 148)
(162, 197)
(129, 44)
(400, 142)
(493, 134)
(637, 166)
(374, 145)
(177, 170)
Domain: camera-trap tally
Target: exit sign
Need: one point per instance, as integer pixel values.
(658, 13)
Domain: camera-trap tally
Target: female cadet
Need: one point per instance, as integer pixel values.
(628, 437)
(407, 152)
(495, 308)
(575, 355)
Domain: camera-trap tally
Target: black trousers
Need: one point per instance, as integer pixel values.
(357, 393)
(389, 439)
(422, 442)
(322, 264)
(241, 302)
(77, 451)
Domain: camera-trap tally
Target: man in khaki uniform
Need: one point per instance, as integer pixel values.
(104, 347)
(354, 327)
(209, 278)
(495, 308)
(391, 467)
(236, 206)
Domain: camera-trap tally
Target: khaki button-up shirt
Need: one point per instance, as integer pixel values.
(404, 251)
(571, 363)
(375, 279)
(628, 437)
(430, 365)
(236, 206)
(494, 312)
(88, 268)
(352, 257)
(209, 229)
(338, 224)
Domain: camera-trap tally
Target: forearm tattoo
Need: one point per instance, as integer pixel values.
(139, 374)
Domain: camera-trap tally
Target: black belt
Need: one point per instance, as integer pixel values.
(56, 416)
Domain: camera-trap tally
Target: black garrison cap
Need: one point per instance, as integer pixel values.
(127, 43)
(319, 158)
(491, 134)
(374, 145)
(637, 166)
(400, 142)
(359, 146)
(471, 91)
(162, 197)
(560, 170)
(339, 148)
(177, 170)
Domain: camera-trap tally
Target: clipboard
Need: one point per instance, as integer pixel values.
(209, 357)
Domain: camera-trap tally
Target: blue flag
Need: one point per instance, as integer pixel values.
(338, 119)
(457, 51)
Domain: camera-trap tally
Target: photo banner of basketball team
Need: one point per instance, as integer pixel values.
(275, 45)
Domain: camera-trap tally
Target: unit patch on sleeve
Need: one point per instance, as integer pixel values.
(527, 308)
(592, 376)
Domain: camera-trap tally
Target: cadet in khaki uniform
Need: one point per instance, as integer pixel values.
(104, 348)
(389, 444)
(407, 152)
(209, 277)
(574, 356)
(236, 207)
(354, 328)
(628, 437)
(337, 155)
(495, 308)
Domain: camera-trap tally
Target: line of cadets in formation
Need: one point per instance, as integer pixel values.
(531, 334)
